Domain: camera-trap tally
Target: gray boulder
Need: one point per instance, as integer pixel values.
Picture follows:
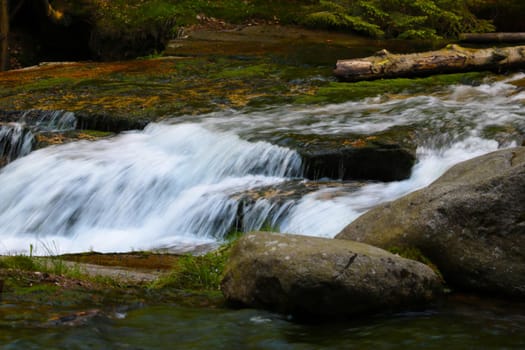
(470, 223)
(310, 276)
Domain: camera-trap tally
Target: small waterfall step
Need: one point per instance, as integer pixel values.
(267, 206)
(39, 120)
(16, 140)
(23, 131)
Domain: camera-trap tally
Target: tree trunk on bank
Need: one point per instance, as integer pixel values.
(452, 59)
(4, 35)
(484, 38)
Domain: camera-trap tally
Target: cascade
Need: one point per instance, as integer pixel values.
(183, 183)
(15, 141)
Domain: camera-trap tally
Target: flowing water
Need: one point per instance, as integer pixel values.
(17, 139)
(177, 184)
(458, 325)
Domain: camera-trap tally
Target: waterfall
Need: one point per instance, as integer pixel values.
(17, 139)
(187, 182)
(165, 185)
(323, 214)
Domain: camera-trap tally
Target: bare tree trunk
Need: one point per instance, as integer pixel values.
(4, 35)
(452, 59)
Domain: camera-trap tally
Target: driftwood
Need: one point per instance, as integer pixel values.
(484, 38)
(452, 59)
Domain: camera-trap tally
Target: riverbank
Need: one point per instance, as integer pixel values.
(71, 289)
(77, 314)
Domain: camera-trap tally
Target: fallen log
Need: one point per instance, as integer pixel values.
(487, 38)
(451, 59)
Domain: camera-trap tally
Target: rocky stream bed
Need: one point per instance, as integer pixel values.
(246, 130)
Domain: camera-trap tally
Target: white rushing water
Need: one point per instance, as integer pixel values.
(178, 185)
(15, 141)
(17, 138)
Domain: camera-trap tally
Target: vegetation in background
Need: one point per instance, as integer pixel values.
(141, 27)
(117, 29)
(403, 19)
(507, 15)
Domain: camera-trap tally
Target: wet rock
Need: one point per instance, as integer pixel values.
(505, 134)
(387, 156)
(107, 122)
(23, 131)
(470, 223)
(75, 319)
(309, 276)
(60, 120)
(267, 206)
(382, 163)
(297, 189)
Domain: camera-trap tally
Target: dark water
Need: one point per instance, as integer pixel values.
(458, 324)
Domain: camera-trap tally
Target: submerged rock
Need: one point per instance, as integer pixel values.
(310, 276)
(470, 223)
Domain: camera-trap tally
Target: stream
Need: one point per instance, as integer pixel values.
(460, 324)
(182, 185)
(178, 184)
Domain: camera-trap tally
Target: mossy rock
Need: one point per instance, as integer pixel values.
(383, 156)
(470, 223)
(312, 277)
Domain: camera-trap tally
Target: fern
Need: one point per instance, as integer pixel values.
(361, 26)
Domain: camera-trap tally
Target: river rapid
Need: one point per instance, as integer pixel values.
(177, 184)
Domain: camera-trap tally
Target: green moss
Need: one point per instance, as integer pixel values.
(414, 253)
(427, 19)
(500, 132)
(40, 84)
(336, 92)
(241, 72)
(330, 20)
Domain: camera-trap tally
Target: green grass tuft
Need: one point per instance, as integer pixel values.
(197, 273)
(20, 262)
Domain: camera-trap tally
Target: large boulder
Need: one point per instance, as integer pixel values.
(309, 276)
(470, 223)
